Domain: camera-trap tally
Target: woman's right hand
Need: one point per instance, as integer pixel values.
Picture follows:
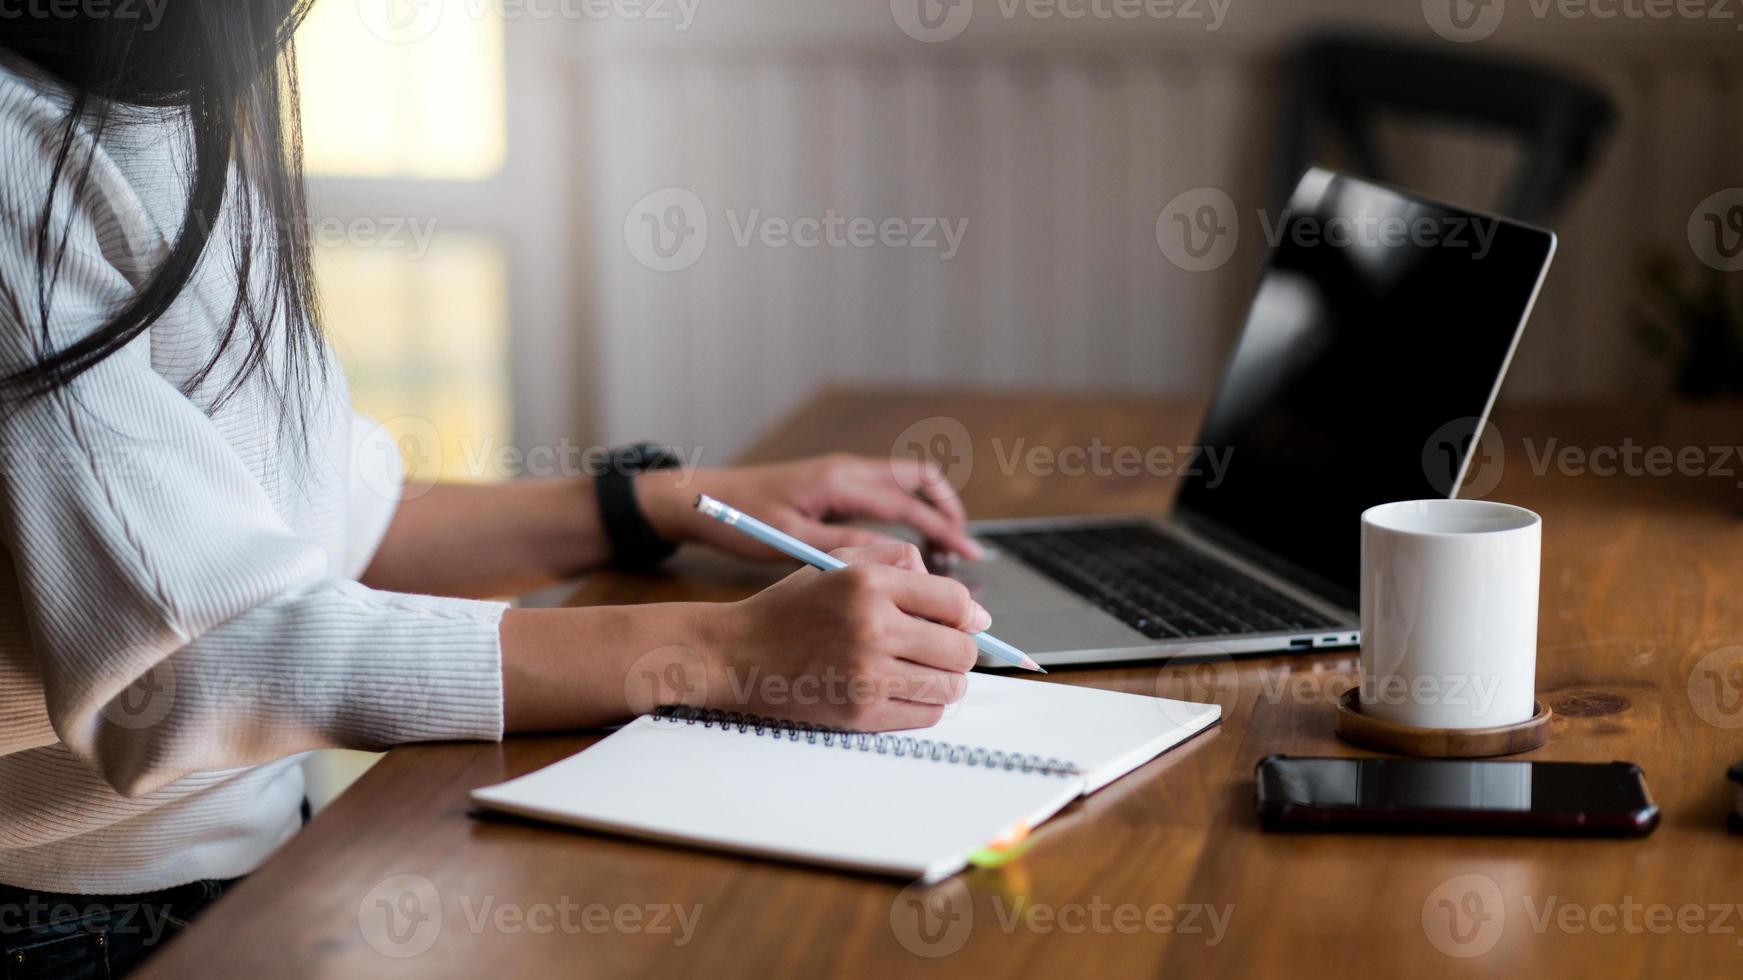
(841, 648)
(877, 646)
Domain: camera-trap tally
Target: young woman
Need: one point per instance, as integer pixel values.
(196, 583)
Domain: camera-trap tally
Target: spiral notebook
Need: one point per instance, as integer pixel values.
(914, 804)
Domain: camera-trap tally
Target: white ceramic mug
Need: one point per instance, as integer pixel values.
(1449, 613)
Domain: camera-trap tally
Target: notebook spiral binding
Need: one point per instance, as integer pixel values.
(924, 749)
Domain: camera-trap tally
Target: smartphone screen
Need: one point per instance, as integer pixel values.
(1444, 794)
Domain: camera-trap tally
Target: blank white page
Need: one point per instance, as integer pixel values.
(1105, 733)
(771, 796)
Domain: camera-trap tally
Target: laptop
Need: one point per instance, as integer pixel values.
(1371, 355)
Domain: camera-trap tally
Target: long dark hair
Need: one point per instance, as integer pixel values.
(228, 67)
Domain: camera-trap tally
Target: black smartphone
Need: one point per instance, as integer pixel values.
(1606, 799)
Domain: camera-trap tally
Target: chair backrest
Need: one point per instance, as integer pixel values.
(1342, 85)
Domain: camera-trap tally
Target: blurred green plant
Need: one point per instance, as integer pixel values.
(1695, 322)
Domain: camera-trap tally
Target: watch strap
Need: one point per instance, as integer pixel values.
(635, 545)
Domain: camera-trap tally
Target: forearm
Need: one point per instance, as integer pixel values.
(503, 539)
(490, 539)
(590, 667)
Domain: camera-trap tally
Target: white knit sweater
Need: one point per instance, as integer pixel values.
(179, 616)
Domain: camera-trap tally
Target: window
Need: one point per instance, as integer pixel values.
(416, 308)
(433, 108)
(423, 337)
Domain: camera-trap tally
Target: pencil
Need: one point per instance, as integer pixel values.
(792, 547)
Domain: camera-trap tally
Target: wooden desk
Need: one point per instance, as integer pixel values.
(1642, 583)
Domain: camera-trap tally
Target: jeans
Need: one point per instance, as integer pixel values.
(92, 937)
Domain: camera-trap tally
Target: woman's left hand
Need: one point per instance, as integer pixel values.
(807, 499)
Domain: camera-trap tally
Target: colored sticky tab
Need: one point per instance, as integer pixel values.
(1002, 850)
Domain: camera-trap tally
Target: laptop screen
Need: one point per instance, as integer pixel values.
(1379, 333)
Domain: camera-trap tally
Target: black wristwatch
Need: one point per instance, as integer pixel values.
(635, 545)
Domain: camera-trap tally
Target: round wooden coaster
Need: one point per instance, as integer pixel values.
(1439, 743)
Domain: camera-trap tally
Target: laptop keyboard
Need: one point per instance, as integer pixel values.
(1156, 584)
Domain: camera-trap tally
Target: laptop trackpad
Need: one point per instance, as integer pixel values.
(1036, 615)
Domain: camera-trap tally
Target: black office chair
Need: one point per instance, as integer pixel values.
(1341, 85)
